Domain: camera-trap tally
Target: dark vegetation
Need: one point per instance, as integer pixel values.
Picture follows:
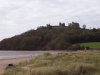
(50, 37)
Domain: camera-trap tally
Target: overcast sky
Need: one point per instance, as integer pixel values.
(18, 16)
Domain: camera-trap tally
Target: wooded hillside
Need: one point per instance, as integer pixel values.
(50, 37)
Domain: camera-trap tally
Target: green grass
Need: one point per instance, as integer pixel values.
(95, 45)
(62, 63)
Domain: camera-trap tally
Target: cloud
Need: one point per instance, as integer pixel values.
(17, 16)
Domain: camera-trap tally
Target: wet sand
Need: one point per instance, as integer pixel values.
(5, 62)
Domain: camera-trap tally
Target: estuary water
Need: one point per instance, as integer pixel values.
(18, 54)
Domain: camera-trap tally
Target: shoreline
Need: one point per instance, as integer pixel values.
(5, 62)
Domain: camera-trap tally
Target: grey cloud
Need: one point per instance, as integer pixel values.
(17, 16)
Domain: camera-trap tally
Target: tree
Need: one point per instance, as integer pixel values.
(49, 26)
(84, 26)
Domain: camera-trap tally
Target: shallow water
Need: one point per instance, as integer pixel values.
(17, 54)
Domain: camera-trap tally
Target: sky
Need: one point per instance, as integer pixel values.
(18, 16)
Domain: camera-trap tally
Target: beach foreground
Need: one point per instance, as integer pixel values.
(15, 61)
(62, 63)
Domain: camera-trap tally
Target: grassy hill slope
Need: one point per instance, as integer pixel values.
(95, 45)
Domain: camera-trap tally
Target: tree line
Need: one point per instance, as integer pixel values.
(50, 37)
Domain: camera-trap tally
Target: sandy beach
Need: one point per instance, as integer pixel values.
(5, 62)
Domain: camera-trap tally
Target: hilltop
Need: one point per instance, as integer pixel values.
(61, 37)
